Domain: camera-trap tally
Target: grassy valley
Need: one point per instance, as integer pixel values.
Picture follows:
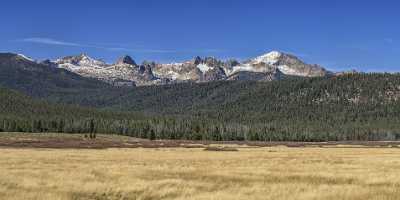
(192, 173)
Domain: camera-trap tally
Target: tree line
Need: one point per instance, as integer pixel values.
(347, 107)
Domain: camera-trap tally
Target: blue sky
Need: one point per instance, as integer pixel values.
(352, 34)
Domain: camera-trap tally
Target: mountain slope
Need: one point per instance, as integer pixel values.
(346, 107)
(21, 113)
(252, 100)
(245, 98)
(21, 73)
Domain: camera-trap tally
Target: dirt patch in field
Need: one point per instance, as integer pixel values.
(77, 141)
(98, 143)
(213, 148)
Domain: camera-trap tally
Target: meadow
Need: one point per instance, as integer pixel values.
(193, 173)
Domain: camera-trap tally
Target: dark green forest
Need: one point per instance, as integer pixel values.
(357, 106)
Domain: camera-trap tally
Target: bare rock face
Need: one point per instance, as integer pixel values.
(125, 60)
(212, 62)
(197, 60)
(180, 72)
(146, 70)
(49, 63)
(214, 74)
(231, 63)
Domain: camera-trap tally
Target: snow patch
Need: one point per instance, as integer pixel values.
(287, 70)
(26, 57)
(171, 64)
(269, 58)
(69, 67)
(86, 60)
(247, 68)
(173, 75)
(203, 67)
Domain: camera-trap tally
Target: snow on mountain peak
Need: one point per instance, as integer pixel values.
(26, 57)
(203, 67)
(86, 60)
(269, 58)
(82, 60)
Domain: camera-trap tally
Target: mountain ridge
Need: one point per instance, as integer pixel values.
(125, 71)
(38, 79)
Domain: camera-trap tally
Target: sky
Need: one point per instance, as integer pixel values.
(337, 34)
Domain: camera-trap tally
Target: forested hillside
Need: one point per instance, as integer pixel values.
(21, 113)
(346, 107)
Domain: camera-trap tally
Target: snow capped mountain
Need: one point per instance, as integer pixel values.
(286, 63)
(270, 58)
(124, 72)
(270, 66)
(198, 70)
(80, 60)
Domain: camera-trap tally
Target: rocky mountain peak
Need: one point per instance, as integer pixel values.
(84, 56)
(268, 58)
(126, 60)
(212, 61)
(197, 60)
(81, 60)
(231, 63)
(146, 69)
(288, 64)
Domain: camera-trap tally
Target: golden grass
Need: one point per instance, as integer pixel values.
(250, 173)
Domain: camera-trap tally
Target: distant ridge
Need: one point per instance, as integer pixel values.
(125, 71)
(38, 79)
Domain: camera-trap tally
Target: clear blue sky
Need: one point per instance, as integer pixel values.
(340, 34)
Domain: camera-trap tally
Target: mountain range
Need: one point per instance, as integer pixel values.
(126, 72)
(214, 100)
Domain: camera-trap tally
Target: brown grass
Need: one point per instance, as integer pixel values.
(191, 173)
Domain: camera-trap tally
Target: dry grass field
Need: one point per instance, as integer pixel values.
(192, 173)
